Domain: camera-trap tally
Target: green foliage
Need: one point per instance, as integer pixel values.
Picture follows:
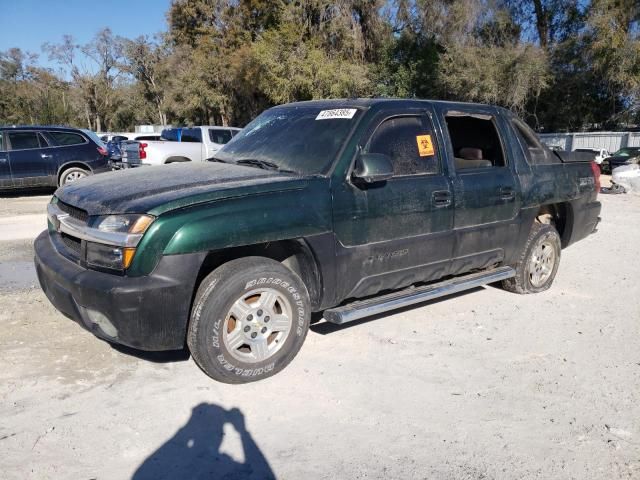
(562, 64)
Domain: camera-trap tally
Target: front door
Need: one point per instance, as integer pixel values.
(32, 163)
(398, 232)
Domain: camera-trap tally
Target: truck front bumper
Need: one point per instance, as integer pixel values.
(148, 313)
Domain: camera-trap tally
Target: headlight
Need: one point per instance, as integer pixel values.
(109, 256)
(112, 245)
(123, 223)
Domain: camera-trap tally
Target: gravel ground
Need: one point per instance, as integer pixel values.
(483, 385)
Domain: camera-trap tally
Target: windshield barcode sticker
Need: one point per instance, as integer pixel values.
(337, 113)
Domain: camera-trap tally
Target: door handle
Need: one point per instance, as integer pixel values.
(506, 193)
(44, 155)
(441, 198)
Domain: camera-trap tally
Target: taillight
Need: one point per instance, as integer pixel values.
(596, 175)
(142, 153)
(103, 151)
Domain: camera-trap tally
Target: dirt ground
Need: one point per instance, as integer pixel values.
(484, 385)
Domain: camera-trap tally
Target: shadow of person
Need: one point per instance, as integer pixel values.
(193, 452)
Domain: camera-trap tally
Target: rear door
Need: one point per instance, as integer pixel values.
(486, 191)
(194, 135)
(32, 161)
(5, 169)
(398, 232)
(68, 147)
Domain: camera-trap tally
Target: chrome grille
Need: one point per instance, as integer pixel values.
(72, 243)
(74, 212)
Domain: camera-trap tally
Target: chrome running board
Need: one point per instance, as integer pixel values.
(412, 295)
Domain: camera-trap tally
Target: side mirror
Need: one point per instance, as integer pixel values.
(373, 167)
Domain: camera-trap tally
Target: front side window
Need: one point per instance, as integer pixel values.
(217, 135)
(408, 143)
(23, 140)
(66, 138)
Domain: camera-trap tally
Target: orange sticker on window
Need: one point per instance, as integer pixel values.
(425, 145)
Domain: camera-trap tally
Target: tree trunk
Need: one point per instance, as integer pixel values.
(542, 23)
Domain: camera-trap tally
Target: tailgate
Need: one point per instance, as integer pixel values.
(130, 152)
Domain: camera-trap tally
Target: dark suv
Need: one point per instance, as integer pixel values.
(48, 156)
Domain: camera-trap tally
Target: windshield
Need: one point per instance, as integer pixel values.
(627, 152)
(303, 139)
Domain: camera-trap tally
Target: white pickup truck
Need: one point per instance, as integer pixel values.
(186, 144)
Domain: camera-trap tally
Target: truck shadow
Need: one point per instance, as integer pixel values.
(194, 451)
(325, 328)
(168, 356)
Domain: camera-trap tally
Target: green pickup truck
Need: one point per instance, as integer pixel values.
(347, 207)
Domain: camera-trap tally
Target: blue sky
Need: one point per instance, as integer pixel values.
(27, 24)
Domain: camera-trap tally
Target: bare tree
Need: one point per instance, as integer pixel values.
(94, 70)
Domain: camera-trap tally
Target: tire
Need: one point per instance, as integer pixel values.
(72, 174)
(538, 263)
(249, 319)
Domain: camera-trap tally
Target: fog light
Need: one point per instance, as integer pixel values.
(102, 321)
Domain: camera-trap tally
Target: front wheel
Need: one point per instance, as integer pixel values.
(249, 319)
(538, 264)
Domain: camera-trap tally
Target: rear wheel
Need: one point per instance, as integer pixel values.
(70, 175)
(538, 264)
(249, 319)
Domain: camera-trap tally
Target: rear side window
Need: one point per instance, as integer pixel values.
(526, 135)
(409, 144)
(66, 138)
(533, 149)
(474, 140)
(170, 134)
(23, 140)
(217, 135)
(193, 135)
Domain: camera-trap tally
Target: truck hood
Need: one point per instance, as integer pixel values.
(159, 189)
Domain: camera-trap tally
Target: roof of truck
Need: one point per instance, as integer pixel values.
(369, 102)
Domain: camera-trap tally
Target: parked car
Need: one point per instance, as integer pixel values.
(624, 156)
(193, 144)
(42, 156)
(599, 154)
(348, 207)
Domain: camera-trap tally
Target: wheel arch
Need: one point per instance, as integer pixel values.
(177, 159)
(72, 164)
(295, 254)
(560, 215)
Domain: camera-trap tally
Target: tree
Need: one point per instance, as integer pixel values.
(95, 81)
(147, 62)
